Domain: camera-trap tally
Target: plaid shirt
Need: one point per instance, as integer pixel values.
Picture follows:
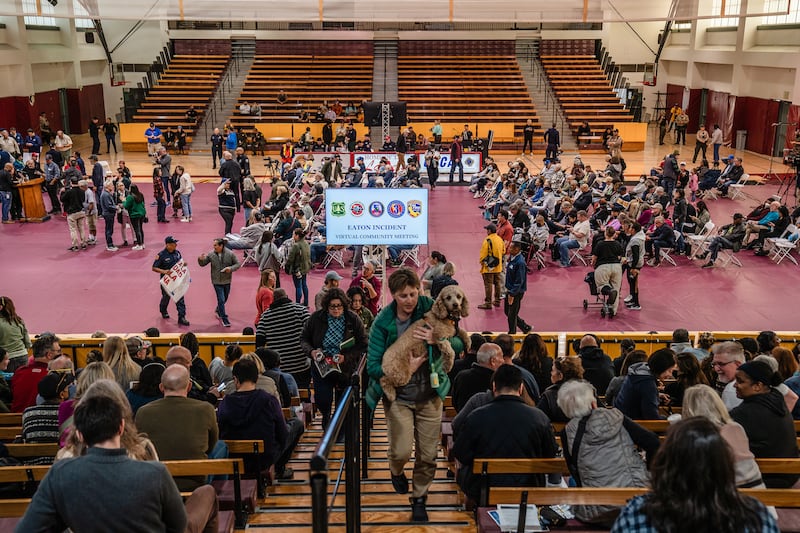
(158, 187)
(633, 520)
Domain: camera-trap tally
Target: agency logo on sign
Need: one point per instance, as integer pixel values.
(357, 209)
(338, 209)
(414, 208)
(396, 209)
(376, 209)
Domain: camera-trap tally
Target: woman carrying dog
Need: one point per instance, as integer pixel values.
(417, 408)
(336, 335)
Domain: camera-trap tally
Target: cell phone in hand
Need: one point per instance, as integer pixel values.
(221, 387)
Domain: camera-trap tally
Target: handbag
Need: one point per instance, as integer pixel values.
(490, 261)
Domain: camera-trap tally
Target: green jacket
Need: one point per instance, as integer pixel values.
(299, 259)
(135, 209)
(383, 334)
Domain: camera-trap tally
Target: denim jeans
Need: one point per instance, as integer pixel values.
(300, 289)
(109, 229)
(247, 212)
(460, 166)
(186, 205)
(161, 209)
(5, 199)
(222, 291)
(565, 244)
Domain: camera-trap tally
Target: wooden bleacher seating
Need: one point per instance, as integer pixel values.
(10, 419)
(187, 80)
(464, 82)
(307, 80)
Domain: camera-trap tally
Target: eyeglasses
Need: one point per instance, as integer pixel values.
(335, 306)
(721, 364)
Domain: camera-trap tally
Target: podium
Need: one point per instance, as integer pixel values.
(32, 203)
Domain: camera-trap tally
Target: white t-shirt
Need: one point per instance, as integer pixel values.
(584, 228)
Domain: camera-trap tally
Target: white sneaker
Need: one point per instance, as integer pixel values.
(184, 219)
(111, 248)
(137, 247)
(628, 299)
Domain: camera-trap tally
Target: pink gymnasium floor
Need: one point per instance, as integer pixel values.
(61, 291)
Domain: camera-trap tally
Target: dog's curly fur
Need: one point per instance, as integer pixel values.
(451, 304)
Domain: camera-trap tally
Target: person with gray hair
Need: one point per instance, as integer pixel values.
(371, 285)
(600, 448)
(578, 237)
(477, 379)
(661, 236)
(727, 357)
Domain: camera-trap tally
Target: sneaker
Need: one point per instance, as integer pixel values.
(710, 264)
(182, 321)
(400, 483)
(526, 328)
(628, 299)
(73, 249)
(165, 315)
(287, 474)
(653, 263)
(137, 247)
(91, 242)
(485, 306)
(184, 219)
(496, 303)
(635, 307)
(612, 297)
(418, 511)
(703, 255)
(111, 248)
(226, 322)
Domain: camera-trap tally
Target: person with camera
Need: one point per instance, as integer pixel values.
(491, 259)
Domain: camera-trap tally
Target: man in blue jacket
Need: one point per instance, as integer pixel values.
(516, 286)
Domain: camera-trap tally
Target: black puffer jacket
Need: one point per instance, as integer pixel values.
(597, 367)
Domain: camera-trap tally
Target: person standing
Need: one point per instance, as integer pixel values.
(527, 136)
(681, 122)
(633, 263)
(217, 141)
(32, 143)
(231, 140)
(466, 137)
(164, 161)
(456, 152)
(52, 181)
(94, 133)
(153, 136)
(298, 264)
(401, 148)
(230, 170)
(223, 263)
(553, 139)
(716, 141)
(165, 260)
(6, 192)
(491, 260)
(110, 131)
(606, 258)
(134, 205)
(108, 210)
(14, 337)
(63, 144)
(663, 125)
(416, 412)
(516, 286)
(44, 129)
(184, 192)
(701, 142)
(432, 157)
(227, 204)
(73, 200)
(159, 194)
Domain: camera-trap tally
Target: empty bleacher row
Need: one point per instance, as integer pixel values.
(188, 80)
(583, 91)
(307, 80)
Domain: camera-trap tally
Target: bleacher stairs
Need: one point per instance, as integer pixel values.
(287, 507)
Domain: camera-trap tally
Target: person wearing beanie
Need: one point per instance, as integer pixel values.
(765, 418)
(40, 422)
(638, 397)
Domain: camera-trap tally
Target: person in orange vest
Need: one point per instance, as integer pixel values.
(287, 152)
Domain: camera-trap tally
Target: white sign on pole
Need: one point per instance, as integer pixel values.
(177, 281)
(376, 216)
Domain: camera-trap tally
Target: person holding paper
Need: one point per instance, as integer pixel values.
(334, 339)
(165, 260)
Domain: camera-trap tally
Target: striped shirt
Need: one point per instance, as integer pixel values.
(40, 424)
(280, 328)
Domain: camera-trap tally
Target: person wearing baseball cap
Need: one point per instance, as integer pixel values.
(165, 260)
(332, 279)
(138, 348)
(491, 260)
(730, 237)
(40, 422)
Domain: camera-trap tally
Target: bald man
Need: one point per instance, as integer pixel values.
(180, 427)
(202, 387)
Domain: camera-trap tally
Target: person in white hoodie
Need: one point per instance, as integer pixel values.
(184, 192)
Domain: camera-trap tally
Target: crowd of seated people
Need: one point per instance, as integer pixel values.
(598, 399)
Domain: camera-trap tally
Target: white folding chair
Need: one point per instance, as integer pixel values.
(334, 254)
(249, 256)
(665, 252)
(575, 253)
(409, 255)
(736, 190)
(700, 241)
(780, 248)
(726, 256)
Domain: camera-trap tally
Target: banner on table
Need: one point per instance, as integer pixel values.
(376, 216)
(470, 160)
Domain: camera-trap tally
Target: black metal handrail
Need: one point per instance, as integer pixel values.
(346, 417)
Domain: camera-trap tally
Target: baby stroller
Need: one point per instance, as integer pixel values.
(601, 296)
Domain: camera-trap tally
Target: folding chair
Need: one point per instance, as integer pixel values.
(535, 253)
(736, 190)
(700, 241)
(334, 253)
(781, 247)
(410, 255)
(726, 255)
(249, 256)
(575, 253)
(665, 252)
